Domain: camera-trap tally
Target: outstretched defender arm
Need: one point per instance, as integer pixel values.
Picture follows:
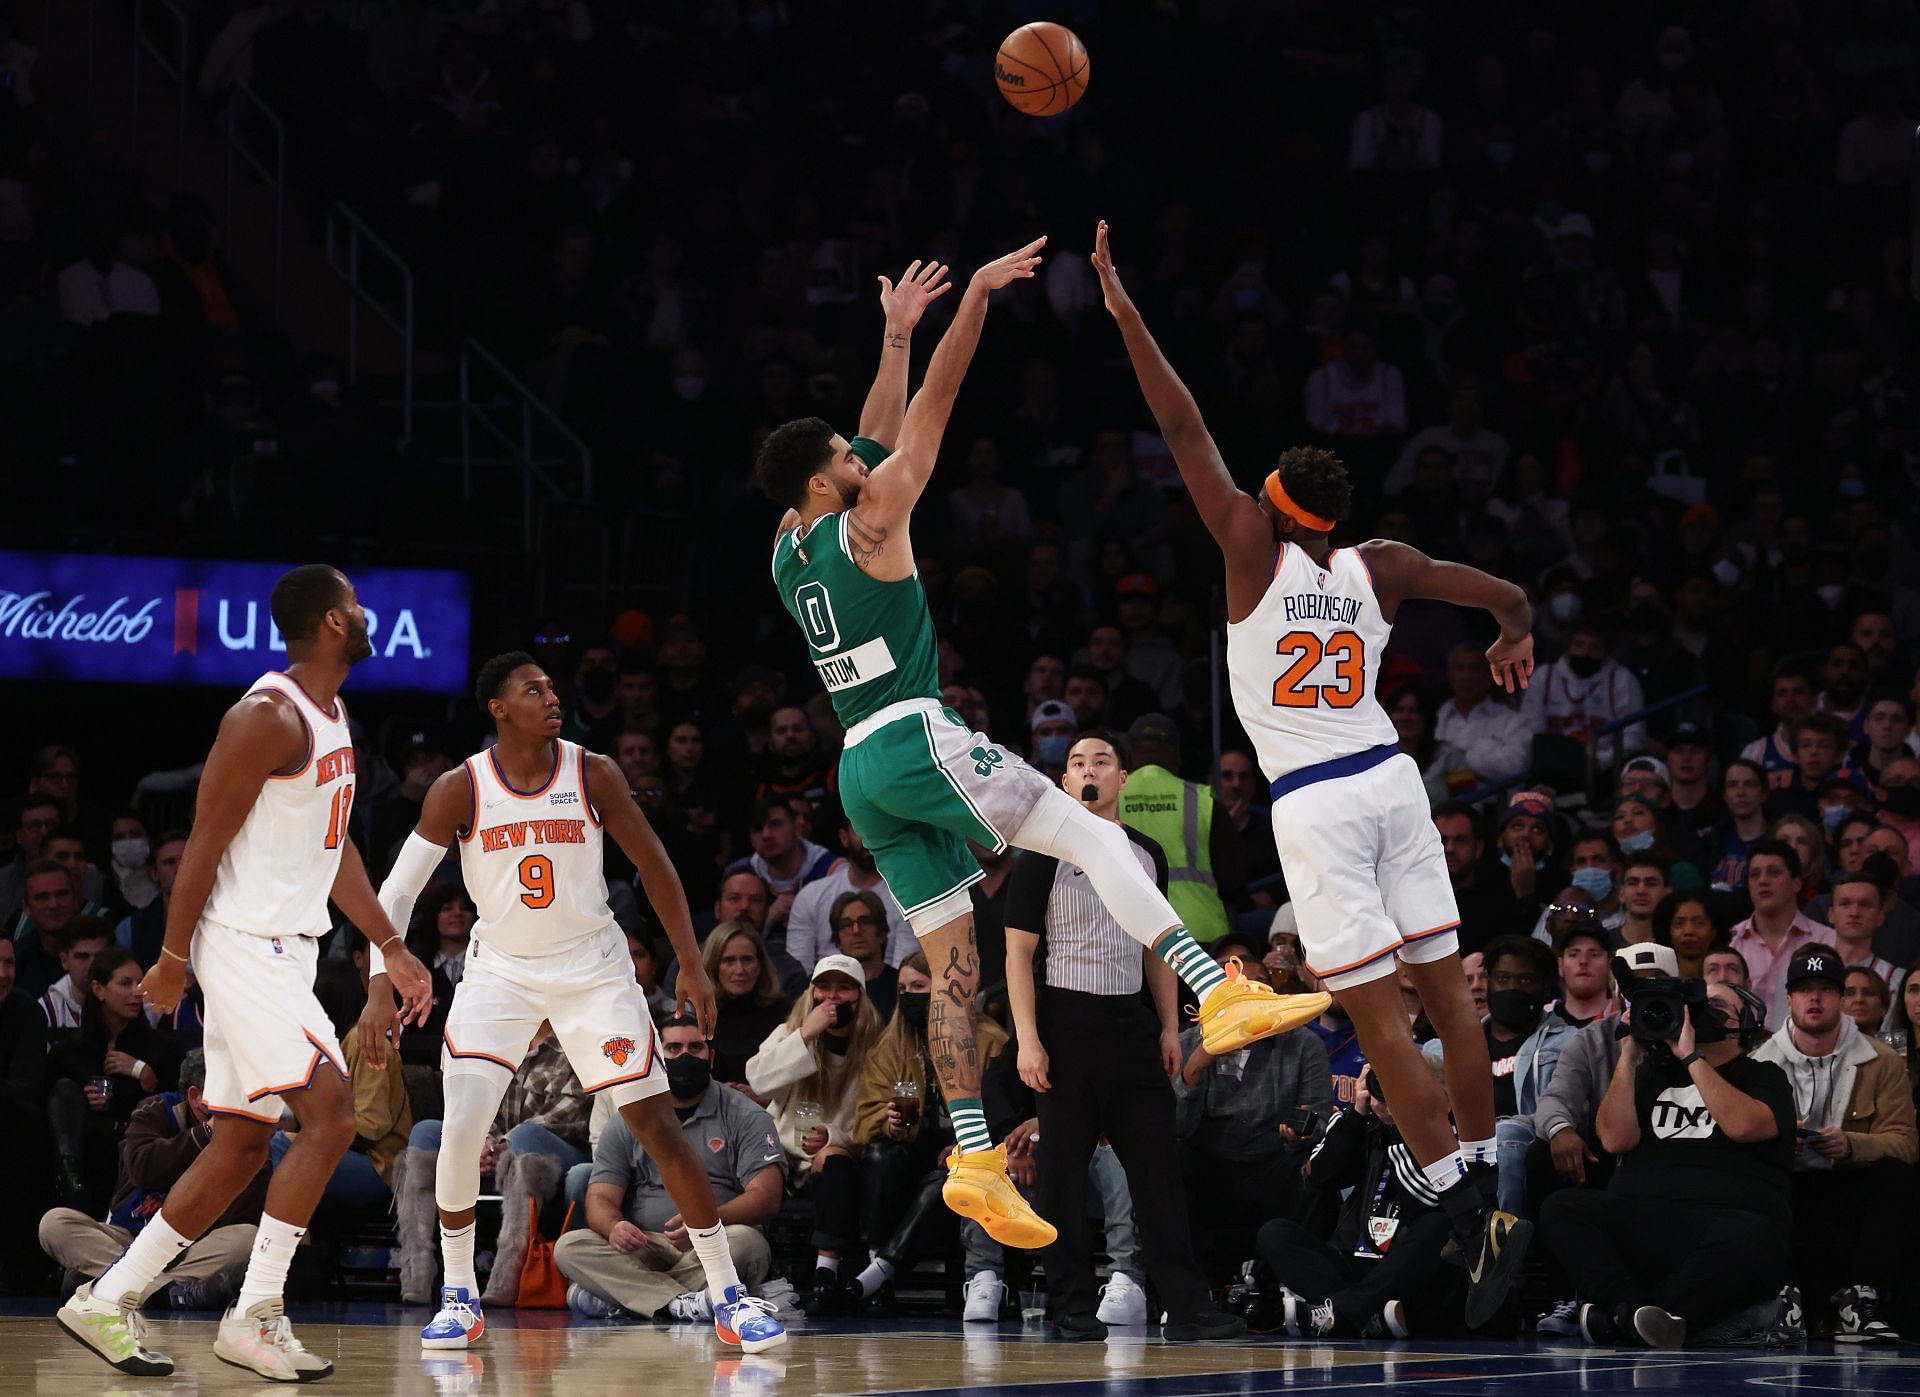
(1230, 514)
(920, 286)
(895, 485)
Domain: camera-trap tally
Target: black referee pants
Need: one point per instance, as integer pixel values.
(1104, 1063)
(1846, 1227)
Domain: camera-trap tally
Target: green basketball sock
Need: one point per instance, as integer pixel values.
(969, 1124)
(1192, 964)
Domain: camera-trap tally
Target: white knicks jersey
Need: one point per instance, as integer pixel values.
(531, 859)
(275, 875)
(1302, 667)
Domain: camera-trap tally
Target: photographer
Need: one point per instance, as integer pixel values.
(1695, 1224)
(1853, 1169)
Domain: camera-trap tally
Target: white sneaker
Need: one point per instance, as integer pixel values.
(116, 1332)
(985, 1291)
(262, 1339)
(694, 1306)
(1122, 1301)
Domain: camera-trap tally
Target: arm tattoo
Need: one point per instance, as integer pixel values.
(866, 542)
(896, 340)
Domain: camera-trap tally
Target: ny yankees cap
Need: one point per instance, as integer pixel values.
(1816, 963)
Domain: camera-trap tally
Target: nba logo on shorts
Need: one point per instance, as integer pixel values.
(278, 949)
(619, 1049)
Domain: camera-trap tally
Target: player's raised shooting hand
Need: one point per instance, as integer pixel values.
(1015, 266)
(695, 995)
(1512, 662)
(920, 286)
(1110, 288)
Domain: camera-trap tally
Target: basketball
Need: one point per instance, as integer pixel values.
(1042, 68)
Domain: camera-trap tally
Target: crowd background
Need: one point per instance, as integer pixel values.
(1612, 303)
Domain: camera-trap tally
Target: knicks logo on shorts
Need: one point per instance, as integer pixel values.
(619, 1049)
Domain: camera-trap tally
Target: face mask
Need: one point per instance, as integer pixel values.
(1565, 606)
(131, 853)
(1596, 883)
(1903, 801)
(913, 1006)
(1500, 152)
(1636, 843)
(1052, 751)
(1515, 1008)
(1585, 666)
(689, 388)
(1853, 487)
(598, 684)
(687, 1076)
(1725, 573)
(1832, 817)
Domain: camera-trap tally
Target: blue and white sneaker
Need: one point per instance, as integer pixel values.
(459, 1323)
(747, 1322)
(593, 1305)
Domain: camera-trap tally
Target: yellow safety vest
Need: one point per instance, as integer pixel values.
(1178, 816)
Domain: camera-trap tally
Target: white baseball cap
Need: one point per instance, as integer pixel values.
(1286, 922)
(850, 968)
(1646, 955)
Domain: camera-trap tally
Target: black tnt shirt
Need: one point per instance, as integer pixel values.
(1685, 1157)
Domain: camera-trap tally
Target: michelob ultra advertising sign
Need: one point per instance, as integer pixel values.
(112, 619)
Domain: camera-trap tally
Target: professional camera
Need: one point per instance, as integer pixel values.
(1659, 1005)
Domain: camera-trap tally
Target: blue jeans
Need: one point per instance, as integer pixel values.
(1513, 1137)
(354, 1183)
(578, 1178)
(525, 1138)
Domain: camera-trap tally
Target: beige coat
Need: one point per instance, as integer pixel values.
(889, 1063)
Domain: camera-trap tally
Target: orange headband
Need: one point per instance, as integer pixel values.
(1283, 502)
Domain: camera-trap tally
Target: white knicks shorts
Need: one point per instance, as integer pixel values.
(266, 1034)
(587, 992)
(1366, 873)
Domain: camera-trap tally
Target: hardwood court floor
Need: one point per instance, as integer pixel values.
(535, 1354)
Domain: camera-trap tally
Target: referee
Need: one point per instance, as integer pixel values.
(1098, 1055)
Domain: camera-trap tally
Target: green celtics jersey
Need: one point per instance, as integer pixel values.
(872, 641)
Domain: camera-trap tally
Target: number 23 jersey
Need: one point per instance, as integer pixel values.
(532, 859)
(1304, 663)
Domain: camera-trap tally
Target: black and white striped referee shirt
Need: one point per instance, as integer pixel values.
(1085, 948)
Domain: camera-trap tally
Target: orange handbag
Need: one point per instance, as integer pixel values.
(542, 1287)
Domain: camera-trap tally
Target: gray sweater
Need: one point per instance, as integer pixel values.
(1236, 1118)
(1580, 1080)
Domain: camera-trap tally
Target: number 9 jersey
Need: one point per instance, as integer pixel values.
(1304, 662)
(531, 860)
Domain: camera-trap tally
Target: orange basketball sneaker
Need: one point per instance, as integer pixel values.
(977, 1187)
(1242, 1011)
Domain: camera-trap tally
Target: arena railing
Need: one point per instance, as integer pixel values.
(245, 111)
(494, 401)
(175, 60)
(1639, 715)
(348, 235)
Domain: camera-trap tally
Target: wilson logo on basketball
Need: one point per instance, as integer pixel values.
(1006, 79)
(619, 1049)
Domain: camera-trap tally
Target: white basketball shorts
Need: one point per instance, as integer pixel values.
(1366, 873)
(587, 992)
(266, 1034)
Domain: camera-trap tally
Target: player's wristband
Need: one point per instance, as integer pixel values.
(870, 452)
(175, 954)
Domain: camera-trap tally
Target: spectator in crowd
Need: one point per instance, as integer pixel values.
(793, 764)
(1481, 887)
(1819, 745)
(439, 936)
(113, 1062)
(1524, 841)
(1474, 966)
(539, 1132)
(1643, 882)
(130, 880)
(742, 897)
(23, 1166)
(143, 930)
(1791, 700)
(646, 974)
(1854, 910)
(1692, 799)
(421, 758)
(1887, 719)
(901, 1122)
(1358, 396)
(1694, 1225)
(1380, 1275)
(66, 848)
(1687, 922)
(784, 860)
(1596, 871)
(1245, 1123)
(1239, 791)
(1052, 726)
(1337, 1036)
(81, 940)
(1724, 965)
(1482, 741)
(1855, 1148)
(164, 1136)
(595, 715)
(809, 926)
(749, 998)
(1128, 699)
(1743, 793)
(34, 817)
(1647, 780)
(1866, 999)
(1767, 940)
(51, 901)
(809, 1070)
(983, 510)
(1583, 959)
(1399, 136)
(1585, 690)
(634, 1259)
(859, 923)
